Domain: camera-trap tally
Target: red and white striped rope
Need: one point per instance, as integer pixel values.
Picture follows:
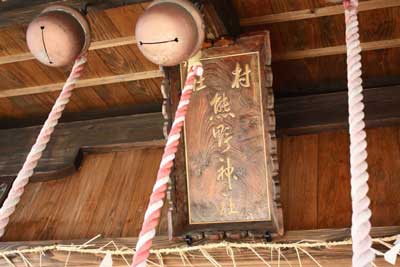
(22, 179)
(153, 212)
(363, 255)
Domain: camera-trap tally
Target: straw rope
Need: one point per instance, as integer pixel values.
(187, 249)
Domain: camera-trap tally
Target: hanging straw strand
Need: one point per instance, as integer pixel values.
(37, 149)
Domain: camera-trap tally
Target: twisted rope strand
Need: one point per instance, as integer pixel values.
(31, 161)
(153, 212)
(363, 254)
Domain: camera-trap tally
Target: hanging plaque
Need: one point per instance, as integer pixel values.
(226, 176)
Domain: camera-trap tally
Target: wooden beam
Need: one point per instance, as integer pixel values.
(291, 55)
(305, 114)
(334, 50)
(316, 13)
(93, 46)
(316, 113)
(83, 83)
(92, 114)
(327, 257)
(127, 40)
(62, 155)
(21, 11)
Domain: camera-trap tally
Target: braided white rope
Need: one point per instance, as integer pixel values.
(363, 255)
(37, 149)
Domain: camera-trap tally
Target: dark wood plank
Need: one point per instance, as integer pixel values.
(384, 168)
(316, 113)
(72, 139)
(334, 203)
(299, 181)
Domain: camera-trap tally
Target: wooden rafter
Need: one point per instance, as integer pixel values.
(335, 50)
(20, 11)
(315, 13)
(83, 83)
(94, 46)
(291, 55)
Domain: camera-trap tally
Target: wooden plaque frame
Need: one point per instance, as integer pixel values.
(258, 45)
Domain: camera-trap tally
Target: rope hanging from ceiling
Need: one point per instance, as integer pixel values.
(153, 212)
(363, 255)
(26, 172)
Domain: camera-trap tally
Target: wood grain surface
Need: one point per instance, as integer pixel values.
(107, 196)
(251, 146)
(64, 151)
(315, 178)
(225, 150)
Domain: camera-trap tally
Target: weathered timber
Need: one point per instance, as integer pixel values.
(329, 257)
(316, 113)
(71, 140)
(19, 11)
(251, 147)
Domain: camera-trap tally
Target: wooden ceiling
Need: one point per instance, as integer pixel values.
(108, 62)
(307, 47)
(307, 40)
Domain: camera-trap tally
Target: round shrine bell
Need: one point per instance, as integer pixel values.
(170, 32)
(58, 36)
